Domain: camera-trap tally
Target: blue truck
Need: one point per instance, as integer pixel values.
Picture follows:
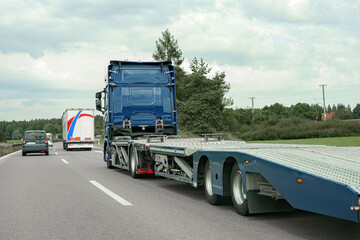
(139, 107)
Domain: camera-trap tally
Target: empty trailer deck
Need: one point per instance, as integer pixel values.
(314, 178)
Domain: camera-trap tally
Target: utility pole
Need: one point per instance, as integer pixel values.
(323, 92)
(252, 104)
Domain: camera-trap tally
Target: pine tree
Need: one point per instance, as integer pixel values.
(167, 49)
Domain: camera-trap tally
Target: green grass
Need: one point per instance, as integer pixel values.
(335, 141)
(14, 141)
(186, 134)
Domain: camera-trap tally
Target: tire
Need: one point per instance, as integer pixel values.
(213, 198)
(47, 153)
(133, 162)
(24, 153)
(237, 191)
(108, 162)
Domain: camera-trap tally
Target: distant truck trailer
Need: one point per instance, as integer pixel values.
(78, 129)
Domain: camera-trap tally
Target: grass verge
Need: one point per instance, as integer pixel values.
(5, 151)
(14, 141)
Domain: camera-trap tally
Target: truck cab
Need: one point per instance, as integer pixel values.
(138, 99)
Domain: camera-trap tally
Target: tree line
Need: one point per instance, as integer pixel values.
(313, 112)
(14, 130)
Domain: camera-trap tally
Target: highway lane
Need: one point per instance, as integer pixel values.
(58, 197)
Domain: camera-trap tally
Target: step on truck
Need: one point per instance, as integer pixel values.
(139, 107)
(78, 129)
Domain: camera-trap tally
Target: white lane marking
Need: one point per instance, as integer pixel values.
(66, 162)
(98, 151)
(1, 158)
(111, 194)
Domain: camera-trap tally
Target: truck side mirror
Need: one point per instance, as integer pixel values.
(98, 96)
(98, 105)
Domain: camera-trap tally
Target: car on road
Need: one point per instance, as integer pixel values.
(35, 141)
(49, 139)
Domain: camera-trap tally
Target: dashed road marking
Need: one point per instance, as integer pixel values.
(111, 194)
(66, 162)
(98, 151)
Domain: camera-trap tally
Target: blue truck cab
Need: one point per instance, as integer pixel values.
(138, 99)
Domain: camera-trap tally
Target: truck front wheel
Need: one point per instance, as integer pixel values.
(237, 191)
(213, 198)
(107, 160)
(133, 161)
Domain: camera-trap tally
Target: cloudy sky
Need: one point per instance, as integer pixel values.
(53, 53)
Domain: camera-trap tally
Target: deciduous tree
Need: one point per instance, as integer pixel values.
(203, 109)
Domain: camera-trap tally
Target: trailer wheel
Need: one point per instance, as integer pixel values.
(237, 191)
(213, 198)
(133, 161)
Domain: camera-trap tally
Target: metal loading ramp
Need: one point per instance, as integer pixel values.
(327, 162)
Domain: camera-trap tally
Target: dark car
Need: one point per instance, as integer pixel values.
(35, 141)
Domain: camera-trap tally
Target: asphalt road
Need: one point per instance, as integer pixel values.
(72, 195)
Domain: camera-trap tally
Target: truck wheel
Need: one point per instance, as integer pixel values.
(213, 198)
(133, 162)
(237, 191)
(108, 162)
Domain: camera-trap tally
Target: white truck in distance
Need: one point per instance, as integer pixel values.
(78, 129)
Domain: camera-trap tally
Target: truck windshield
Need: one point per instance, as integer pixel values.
(35, 136)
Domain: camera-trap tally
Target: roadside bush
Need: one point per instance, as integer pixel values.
(296, 128)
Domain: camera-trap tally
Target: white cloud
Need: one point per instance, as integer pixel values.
(277, 51)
